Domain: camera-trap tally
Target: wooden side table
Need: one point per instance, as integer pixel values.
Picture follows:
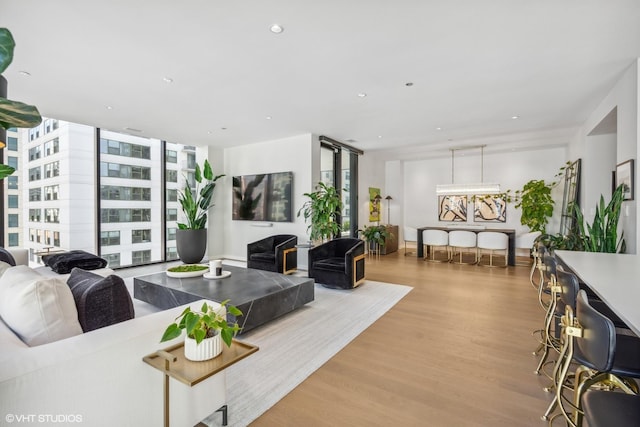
(173, 364)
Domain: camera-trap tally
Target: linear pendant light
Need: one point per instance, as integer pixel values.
(471, 188)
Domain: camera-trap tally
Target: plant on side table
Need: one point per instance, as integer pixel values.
(322, 210)
(375, 235)
(205, 329)
(191, 237)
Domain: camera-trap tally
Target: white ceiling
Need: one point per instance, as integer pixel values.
(473, 64)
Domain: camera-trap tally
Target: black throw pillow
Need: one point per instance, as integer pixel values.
(100, 301)
(6, 256)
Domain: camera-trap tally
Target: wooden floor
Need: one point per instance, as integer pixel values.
(456, 351)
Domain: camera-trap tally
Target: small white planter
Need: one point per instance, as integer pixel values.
(207, 349)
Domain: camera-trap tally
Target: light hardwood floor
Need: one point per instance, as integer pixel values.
(456, 351)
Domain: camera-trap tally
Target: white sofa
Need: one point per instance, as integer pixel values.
(99, 378)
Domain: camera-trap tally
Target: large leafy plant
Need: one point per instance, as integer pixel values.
(13, 113)
(536, 204)
(377, 234)
(322, 210)
(195, 208)
(205, 323)
(602, 234)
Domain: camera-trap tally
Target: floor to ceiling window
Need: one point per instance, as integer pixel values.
(339, 168)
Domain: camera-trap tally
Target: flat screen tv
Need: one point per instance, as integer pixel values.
(263, 197)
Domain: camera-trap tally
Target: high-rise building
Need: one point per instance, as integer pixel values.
(13, 217)
(99, 191)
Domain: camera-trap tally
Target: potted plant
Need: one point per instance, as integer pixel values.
(205, 329)
(322, 210)
(191, 237)
(375, 235)
(12, 113)
(603, 232)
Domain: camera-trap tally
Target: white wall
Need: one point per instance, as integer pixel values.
(412, 183)
(296, 154)
(624, 96)
(371, 173)
(598, 163)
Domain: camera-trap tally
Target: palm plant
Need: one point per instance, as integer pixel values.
(603, 232)
(13, 113)
(195, 208)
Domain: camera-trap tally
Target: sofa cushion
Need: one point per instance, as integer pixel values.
(264, 256)
(334, 264)
(4, 267)
(100, 301)
(6, 256)
(64, 262)
(39, 310)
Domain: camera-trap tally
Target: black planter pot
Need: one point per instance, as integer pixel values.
(191, 244)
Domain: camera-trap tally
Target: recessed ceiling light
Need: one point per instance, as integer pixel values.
(515, 117)
(132, 129)
(438, 128)
(276, 29)
(109, 107)
(268, 117)
(362, 94)
(24, 73)
(379, 136)
(209, 132)
(167, 79)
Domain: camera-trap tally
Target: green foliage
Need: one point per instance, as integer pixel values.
(571, 242)
(204, 323)
(536, 204)
(195, 209)
(247, 205)
(377, 234)
(602, 234)
(6, 171)
(322, 210)
(13, 113)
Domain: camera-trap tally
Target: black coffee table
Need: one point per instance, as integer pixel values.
(260, 295)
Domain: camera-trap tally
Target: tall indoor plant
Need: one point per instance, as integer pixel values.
(322, 211)
(12, 113)
(191, 237)
(603, 231)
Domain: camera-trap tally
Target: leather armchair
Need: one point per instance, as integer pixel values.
(338, 263)
(274, 253)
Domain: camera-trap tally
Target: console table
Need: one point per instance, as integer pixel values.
(511, 234)
(613, 277)
(391, 244)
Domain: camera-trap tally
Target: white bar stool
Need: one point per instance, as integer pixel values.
(436, 239)
(460, 240)
(492, 241)
(526, 241)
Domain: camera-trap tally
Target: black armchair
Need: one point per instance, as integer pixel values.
(274, 253)
(339, 263)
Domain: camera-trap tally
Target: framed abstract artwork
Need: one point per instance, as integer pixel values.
(624, 176)
(452, 208)
(374, 204)
(489, 208)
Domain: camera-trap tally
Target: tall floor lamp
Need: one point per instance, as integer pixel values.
(388, 199)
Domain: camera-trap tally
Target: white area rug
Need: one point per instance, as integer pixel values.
(295, 345)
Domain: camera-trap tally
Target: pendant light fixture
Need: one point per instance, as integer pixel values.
(470, 188)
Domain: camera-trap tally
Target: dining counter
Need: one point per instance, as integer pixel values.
(614, 278)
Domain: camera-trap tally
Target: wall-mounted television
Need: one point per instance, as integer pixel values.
(263, 197)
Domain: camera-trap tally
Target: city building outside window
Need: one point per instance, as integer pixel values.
(51, 215)
(140, 257)
(14, 239)
(109, 238)
(12, 201)
(12, 182)
(13, 162)
(35, 173)
(35, 153)
(12, 143)
(12, 220)
(112, 259)
(140, 236)
(35, 194)
(34, 215)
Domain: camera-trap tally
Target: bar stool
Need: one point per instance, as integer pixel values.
(436, 239)
(410, 234)
(606, 408)
(492, 241)
(590, 340)
(460, 240)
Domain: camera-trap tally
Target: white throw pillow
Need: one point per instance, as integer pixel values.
(3, 267)
(39, 310)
